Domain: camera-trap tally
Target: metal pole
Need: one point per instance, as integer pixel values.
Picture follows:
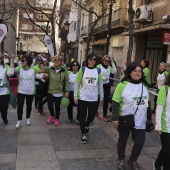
(108, 29)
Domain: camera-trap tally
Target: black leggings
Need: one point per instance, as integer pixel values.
(21, 99)
(106, 91)
(71, 105)
(51, 100)
(163, 158)
(4, 99)
(85, 106)
(138, 138)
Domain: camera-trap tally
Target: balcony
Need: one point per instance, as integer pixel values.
(84, 31)
(119, 20)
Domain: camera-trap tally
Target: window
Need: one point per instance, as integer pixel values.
(24, 15)
(28, 37)
(26, 27)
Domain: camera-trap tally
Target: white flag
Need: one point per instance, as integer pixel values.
(3, 31)
(49, 44)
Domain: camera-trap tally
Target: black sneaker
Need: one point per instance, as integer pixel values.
(133, 165)
(155, 168)
(121, 165)
(86, 129)
(5, 122)
(84, 139)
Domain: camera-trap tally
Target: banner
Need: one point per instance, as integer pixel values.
(166, 38)
(3, 31)
(49, 44)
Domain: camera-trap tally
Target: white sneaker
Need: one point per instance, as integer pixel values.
(28, 121)
(18, 125)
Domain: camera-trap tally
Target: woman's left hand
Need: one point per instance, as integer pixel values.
(66, 94)
(159, 132)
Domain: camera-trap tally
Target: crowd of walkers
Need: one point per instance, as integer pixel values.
(86, 87)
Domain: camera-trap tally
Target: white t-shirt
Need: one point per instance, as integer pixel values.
(72, 79)
(3, 80)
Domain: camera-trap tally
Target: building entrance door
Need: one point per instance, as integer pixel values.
(155, 53)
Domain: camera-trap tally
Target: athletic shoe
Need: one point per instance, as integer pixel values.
(40, 113)
(5, 122)
(86, 129)
(154, 168)
(77, 121)
(84, 139)
(97, 116)
(133, 165)
(70, 120)
(28, 121)
(50, 119)
(18, 125)
(121, 165)
(106, 119)
(56, 123)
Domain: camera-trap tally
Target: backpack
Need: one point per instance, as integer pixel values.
(98, 70)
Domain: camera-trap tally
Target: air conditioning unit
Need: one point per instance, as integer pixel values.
(166, 17)
(143, 13)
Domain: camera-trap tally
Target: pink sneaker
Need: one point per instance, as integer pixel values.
(106, 119)
(56, 122)
(97, 116)
(50, 119)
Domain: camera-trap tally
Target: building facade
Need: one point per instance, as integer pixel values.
(31, 36)
(151, 27)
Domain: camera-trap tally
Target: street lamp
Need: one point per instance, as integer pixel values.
(111, 2)
(17, 40)
(66, 27)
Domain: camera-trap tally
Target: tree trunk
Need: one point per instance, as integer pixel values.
(90, 34)
(131, 28)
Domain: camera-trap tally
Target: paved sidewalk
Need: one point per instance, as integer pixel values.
(46, 147)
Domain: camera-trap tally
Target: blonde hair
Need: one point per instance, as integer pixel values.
(105, 56)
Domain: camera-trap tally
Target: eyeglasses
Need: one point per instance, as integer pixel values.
(57, 59)
(94, 59)
(23, 60)
(75, 65)
(107, 60)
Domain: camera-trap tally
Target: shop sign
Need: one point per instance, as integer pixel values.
(166, 38)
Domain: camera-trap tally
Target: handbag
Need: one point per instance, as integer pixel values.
(128, 121)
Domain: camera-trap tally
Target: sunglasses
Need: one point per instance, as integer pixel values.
(23, 60)
(94, 59)
(107, 60)
(75, 65)
(57, 59)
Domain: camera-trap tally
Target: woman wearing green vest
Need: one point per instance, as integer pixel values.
(74, 68)
(4, 91)
(163, 126)
(146, 72)
(129, 109)
(26, 87)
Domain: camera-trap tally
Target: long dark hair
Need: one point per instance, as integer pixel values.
(71, 65)
(90, 55)
(131, 67)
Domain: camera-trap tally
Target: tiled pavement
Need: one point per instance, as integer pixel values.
(46, 147)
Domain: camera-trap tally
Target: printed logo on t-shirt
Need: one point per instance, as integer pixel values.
(143, 103)
(90, 81)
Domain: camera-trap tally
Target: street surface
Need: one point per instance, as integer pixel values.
(45, 147)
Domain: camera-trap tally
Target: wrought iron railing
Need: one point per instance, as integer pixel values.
(119, 18)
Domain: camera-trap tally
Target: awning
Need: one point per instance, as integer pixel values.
(153, 30)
